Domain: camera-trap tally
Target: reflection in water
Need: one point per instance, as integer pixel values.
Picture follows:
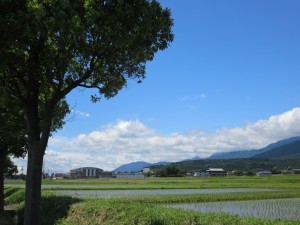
(288, 209)
(152, 192)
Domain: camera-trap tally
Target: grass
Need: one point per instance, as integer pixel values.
(96, 212)
(64, 210)
(280, 182)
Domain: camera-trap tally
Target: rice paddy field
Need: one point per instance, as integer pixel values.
(209, 200)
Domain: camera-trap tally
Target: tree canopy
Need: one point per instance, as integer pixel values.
(58, 45)
(50, 47)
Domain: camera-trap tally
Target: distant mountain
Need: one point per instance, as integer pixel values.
(284, 152)
(288, 151)
(132, 167)
(234, 155)
(194, 158)
(138, 166)
(252, 153)
(160, 163)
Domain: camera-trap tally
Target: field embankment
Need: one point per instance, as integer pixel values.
(150, 210)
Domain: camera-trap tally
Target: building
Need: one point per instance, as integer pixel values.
(146, 170)
(59, 176)
(216, 172)
(296, 171)
(130, 175)
(86, 172)
(211, 172)
(201, 174)
(264, 173)
(287, 171)
(106, 174)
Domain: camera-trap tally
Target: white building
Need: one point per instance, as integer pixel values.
(146, 170)
(216, 172)
(264, 173)
(201, 174)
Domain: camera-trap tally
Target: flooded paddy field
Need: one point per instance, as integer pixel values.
(285, 209)
(153, 192)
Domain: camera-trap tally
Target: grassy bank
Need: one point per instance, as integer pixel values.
(67, 210)
(71, 211)
(95, 212)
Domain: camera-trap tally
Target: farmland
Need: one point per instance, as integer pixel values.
(144, 201)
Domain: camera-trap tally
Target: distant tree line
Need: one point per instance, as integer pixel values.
(248, 166)
(170, 171)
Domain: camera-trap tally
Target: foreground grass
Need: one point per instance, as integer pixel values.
(64, 210)
(96, 212)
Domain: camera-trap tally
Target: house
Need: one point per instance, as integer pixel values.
(264, 173)
(59, 176)
(286, 171)
(146, 170)
(211, 172)
(216, 172)
(201, 174)
(296, 171)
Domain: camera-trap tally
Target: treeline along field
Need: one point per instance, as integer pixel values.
(246, 164)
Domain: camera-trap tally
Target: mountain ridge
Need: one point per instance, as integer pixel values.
(252, 153)
(265, 153)
(288, 151)
(137, 166)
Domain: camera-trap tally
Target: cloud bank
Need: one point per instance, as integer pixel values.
(128, 141)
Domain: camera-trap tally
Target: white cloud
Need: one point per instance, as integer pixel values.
(80, 113)
(201, 96)
(84, 114)
(128, 141)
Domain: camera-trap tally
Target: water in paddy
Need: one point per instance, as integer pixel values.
(287, 209)
(152, 192)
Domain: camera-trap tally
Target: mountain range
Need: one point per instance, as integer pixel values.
(252, 153)
(288, 151)
(137, 166)
(280, 152)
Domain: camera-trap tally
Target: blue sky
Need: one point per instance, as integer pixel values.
(229, 81)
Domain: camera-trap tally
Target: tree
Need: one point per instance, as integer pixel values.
(50, 47)
(6, 168)
(13, 138)
(170, 171)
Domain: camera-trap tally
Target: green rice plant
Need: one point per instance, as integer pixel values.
(16, 196)
(275, 182)
(9, 191)
(95, 212)
(55, 208)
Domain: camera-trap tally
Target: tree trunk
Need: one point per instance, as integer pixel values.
(32, 213)
(37, 143)
(33, 186)
(2, 159)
